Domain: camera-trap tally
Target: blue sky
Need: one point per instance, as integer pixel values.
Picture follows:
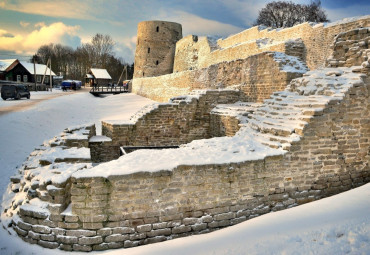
(26, 25)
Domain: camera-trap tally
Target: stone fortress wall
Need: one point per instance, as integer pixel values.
(155, 48)
(321, 120)
(311, 43)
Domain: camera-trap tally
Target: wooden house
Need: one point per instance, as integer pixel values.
(5, 64)
(98, 77)
(21, 71)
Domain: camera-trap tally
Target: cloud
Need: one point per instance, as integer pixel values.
(29, 44)
(70, 9)
(192, 24)
(24, 24)
(40, 24)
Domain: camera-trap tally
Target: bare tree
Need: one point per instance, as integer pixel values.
(282, 14)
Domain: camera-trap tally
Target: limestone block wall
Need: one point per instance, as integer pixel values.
(316, 40)
(351, 48)
(181, 121)
(142, 208)
(155, 48)
(200, 54)
(256, 76)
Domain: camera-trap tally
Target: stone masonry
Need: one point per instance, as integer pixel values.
(143, 208)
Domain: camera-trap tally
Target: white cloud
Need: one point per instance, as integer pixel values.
(24, 24)
(40, 24)
(69, 9)
(54, 33)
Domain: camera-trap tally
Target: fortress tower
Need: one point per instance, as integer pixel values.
(155, 48)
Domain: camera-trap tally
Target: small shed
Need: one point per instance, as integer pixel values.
(99, 77)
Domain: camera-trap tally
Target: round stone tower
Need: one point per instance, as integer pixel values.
(155, 48)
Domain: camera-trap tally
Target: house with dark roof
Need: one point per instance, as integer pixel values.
(99, 77)
(21, 71)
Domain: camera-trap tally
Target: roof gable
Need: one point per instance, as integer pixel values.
(40, 69)
(100, 73)
(5, 63)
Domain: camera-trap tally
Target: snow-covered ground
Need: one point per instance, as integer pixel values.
(336, 225)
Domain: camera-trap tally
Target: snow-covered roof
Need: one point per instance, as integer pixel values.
(100, 73)
(40, 69)
(5, 63)
(89, 76)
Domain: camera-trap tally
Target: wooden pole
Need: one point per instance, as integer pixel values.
(51, 78)
(34, 72)
(46, 68)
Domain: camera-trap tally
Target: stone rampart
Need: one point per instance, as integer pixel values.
(316, 40)
(147, 207)
(256, 76)
(181, 121)
(351, 48)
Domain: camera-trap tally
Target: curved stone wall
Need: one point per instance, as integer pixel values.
(155, 48)
(147, 207)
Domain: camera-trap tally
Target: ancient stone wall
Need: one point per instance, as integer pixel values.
(351, 48)
(180, 121)
(316, 40)
(256, 76)
(155, 48)
(143, 208)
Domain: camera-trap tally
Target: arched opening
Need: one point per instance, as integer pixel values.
(157, 29)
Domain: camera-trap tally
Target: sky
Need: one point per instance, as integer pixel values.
(26, 25)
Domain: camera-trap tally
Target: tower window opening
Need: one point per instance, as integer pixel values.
(157, 29)
(157, 62)
(148, 50)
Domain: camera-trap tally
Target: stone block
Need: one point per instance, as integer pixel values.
(67, 239)
(90, 240)
(116, 238)
(81, 233)
(41, 229)
(77, 247)
(181, 229)
(50, 245)
(144, 228)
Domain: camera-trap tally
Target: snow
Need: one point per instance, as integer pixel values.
(335, 225)
(100, 73)
(40, 69)
(100, 138)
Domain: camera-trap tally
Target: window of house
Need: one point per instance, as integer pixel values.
(38, 79)
(148, 50)
(18, 78)
(46, 79)
(157, 28)
(25, 78)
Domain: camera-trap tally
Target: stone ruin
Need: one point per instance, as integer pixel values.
(257, 133)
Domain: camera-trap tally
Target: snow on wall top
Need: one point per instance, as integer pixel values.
(323, 85)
